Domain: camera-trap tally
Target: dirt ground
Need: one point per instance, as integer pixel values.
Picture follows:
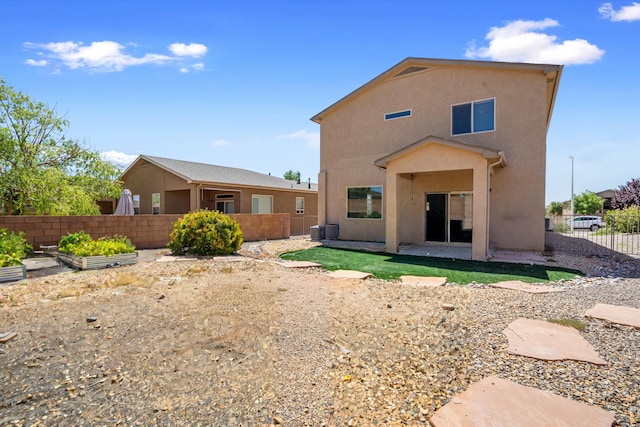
(238, 341)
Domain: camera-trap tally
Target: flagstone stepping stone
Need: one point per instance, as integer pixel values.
(430, 282)
(525, 287)
(297, 264)
(349, 274)
(616, 313)
(549, 341)
(502, 403)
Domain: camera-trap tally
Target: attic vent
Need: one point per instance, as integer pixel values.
(410, 70)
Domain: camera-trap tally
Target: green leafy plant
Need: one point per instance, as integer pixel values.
(205, 232)
(81, 244)
(13, 248)
(625, 220)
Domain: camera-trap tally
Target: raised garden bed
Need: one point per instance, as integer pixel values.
(14, 272)
(98, 261)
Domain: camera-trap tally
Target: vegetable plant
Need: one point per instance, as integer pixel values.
(13, 248)
(81, 244)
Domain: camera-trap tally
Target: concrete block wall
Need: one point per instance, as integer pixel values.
(145, 231)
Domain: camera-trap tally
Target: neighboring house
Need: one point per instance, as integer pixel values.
(160, 185)
(605, 195)
(445, 151)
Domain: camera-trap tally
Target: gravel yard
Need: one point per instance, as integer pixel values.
(248, 342)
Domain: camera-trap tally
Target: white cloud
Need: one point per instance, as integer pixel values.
(40, 63)
(626, 13)
(220, 143)
(312, 139)
(184, 70)
(195, 50)
(118, 158)
(108, 56)
(524, 41)
(199, 66)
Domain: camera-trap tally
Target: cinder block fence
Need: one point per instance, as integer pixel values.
(145, 231)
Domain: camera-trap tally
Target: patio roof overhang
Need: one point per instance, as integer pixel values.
(495, 157)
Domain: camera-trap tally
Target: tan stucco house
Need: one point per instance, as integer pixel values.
(435, 151)
(161, 185)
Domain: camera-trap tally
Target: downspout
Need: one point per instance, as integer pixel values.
(501, 161)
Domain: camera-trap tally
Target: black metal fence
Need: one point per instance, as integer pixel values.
(585, 238)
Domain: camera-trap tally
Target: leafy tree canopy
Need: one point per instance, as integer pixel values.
(555, 208)
(587, 203)
(41, 170)
(627, 195)
(291, 175)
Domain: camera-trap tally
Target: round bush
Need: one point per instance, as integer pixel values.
(205, 232)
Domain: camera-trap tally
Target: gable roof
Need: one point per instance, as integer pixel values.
(415, 65)
(194, 172)
(487, 153)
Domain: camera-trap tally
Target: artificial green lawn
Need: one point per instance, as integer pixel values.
(390, 266)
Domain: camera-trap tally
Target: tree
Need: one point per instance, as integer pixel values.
(587, 203)
(41, 170)
(291, 175)
(555, 208)
(627, 195)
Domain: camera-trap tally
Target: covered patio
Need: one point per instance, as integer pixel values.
(437, 191)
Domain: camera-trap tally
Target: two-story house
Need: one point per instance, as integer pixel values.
(451, 152)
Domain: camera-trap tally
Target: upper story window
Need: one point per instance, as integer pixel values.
(397, 115)
(473, 117)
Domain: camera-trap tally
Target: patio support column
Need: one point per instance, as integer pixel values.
(480, 241)
(391, 212)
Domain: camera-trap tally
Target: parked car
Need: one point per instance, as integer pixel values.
(593, 223)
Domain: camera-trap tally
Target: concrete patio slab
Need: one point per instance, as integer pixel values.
(298, 264)
(522, 257)
(497, 402)
(525, 287)
(549, 341)
(616, 313)
(430, 282)
(349, 274)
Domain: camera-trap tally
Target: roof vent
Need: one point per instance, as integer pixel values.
(410, 70)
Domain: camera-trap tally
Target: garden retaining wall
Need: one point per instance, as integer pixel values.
(145, 231)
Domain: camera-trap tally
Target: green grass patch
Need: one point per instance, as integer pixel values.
(573, 323)
(391, 266)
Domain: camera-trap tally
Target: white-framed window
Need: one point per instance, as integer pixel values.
(136, 204)
(473, 117)
(364, 202)
(261, 204)
(155, 203)
(225, 203)
(299, 205)
(397, 115)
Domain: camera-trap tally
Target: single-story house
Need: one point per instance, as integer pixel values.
(451, 152)
(161, 185)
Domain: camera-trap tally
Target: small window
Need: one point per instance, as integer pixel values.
(473, 117)
(136, 204)
(261, 204)
(155, 203)
(364, 202)
(397, 115)
(299, 205)
(225, 203)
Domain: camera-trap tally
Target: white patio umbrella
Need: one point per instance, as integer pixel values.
(125, 204)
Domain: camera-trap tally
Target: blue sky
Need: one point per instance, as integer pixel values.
(235, 83)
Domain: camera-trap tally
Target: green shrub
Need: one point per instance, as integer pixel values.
(205, 232)
(81, 244)
(625, 220)
(13, 248)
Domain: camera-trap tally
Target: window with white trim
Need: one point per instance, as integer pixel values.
(225, 203)
(136, 204)
(473, 117)
(299, 205)
(364, 202)
(261, 204)
(155, 203)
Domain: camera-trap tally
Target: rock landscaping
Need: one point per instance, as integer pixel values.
(247, 341)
